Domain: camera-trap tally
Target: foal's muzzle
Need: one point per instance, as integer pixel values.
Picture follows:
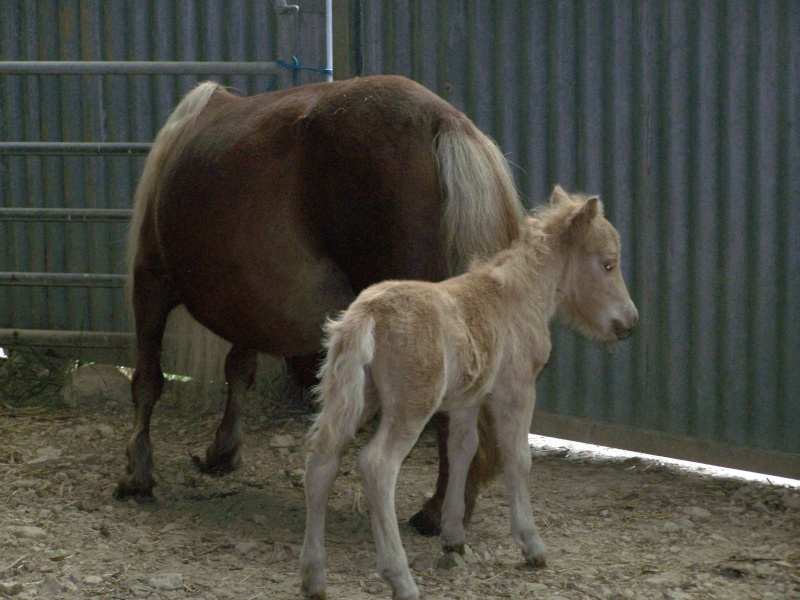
(624, 329)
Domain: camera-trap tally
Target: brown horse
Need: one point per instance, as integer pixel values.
(409, 349)
(262, 215)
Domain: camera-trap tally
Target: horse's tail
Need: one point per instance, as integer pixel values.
(192, 348)
(155, 166)
(483, 213)
(350, 347)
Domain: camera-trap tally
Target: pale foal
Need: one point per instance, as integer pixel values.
(410, 349)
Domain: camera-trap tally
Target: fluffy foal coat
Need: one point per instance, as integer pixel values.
(411, 348)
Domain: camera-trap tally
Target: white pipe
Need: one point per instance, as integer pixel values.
(329, 38)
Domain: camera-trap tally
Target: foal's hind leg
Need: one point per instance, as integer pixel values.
(223, 455)
(152, 302)
(462, 442)
(379, 464)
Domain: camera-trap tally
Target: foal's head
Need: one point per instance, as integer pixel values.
(592, 296)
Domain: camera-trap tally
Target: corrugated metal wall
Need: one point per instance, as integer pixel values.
(106, 108)
(684, 116)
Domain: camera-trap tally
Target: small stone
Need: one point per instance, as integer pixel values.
(92, 580)
(670, 527)
(167, 581)
(28, 532)
(27, 484)
(698, 514)
(423, 562)
(791, 502)
(10, 588)
(140, 591)
(243, 548)
(45, 454)
(105, 431)
(451, 560)
(283, 441)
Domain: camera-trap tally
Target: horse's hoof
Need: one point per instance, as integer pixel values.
(216, 467)
(126, 491)
(424, 524)
(457, 548)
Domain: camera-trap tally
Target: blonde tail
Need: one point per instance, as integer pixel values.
(149, 188)
(483, 213)
(191, 348)
(350, 348)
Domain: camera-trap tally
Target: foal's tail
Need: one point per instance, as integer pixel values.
(483, 213)
(350, 346)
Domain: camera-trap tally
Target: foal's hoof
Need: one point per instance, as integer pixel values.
(216, 466)
(424, 524)
(537, 562)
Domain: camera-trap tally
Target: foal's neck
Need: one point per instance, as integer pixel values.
(531, 272)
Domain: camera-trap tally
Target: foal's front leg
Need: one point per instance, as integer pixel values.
(222, 456)
(512, 417)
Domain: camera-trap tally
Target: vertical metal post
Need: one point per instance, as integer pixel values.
(287, 40)
(329, 39)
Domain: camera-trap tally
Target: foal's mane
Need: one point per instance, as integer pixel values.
(543, 224)
(556, 216)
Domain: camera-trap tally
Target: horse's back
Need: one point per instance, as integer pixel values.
(280, 207)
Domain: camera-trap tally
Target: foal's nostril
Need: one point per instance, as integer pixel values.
(621, 330)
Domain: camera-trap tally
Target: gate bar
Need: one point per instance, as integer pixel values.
(81, 215)
(123, 67)
(75, 148)
(63, 279)
(67, 339)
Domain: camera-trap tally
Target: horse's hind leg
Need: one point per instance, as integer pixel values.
(152, 302)
(240, 372)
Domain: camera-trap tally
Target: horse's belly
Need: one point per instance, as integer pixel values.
(268, 296)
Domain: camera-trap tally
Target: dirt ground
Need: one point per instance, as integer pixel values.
(616, 529)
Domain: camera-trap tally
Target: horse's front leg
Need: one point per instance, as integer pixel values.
(222, 456)
(462, 442)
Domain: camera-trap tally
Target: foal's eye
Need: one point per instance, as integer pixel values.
(608, 266)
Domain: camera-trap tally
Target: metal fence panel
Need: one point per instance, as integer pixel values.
(683, 116)
(99, 111)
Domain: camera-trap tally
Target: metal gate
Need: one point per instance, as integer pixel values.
(111, 71)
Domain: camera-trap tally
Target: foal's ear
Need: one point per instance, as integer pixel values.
(558, 195)
(592, 209)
